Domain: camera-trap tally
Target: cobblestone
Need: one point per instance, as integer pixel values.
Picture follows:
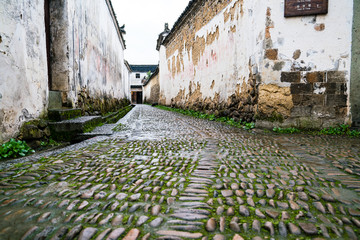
(168, 176)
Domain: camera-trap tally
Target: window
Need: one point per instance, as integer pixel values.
(138, 75)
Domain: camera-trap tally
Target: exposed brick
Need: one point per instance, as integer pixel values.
(297, 99)
(321, 111)
(313, 100)
(291, 77)
(330, 88)
(341, 88)
(341, 112)
(335, 88)
(336, 77)
(301, 88)
(336, 100)
(301, 111)
(313, 77)
(308, 100)
(271, 54)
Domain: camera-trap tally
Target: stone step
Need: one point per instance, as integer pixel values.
(68, 129)
(79, 128)
(63, 114)
(104, 130)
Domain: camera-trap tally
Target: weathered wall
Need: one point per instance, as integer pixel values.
(355, 69)
(151, 90)
(23, 64)
(87, 52)
(126, 80)
(243, 59)
(309, 58)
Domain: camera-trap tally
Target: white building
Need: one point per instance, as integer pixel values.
(138, 75)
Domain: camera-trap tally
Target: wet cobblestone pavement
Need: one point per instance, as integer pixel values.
(168, 176)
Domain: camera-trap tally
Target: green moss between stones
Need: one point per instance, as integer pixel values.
(91, 126)
(59, 115)
(120, 114)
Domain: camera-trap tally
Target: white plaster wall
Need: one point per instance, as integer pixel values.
(23, 64)
(96, 54)
(327, 50)
(137, 81)
(126, 77)
(225, 61)
(164, 77)
(228, 59)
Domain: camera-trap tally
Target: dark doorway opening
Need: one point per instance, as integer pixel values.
(136, 97)
(139, 97)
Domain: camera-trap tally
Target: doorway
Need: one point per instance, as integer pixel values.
(139, 97)
(136, 97)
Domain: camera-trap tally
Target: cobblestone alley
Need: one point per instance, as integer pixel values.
(169, 176)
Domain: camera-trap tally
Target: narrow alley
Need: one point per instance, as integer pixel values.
(168, 176)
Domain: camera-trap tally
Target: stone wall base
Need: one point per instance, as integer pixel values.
(313, 100)
(98, 105)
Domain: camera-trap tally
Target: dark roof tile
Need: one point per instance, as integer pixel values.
(143, 68)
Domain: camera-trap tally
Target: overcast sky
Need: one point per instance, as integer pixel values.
(144, 20)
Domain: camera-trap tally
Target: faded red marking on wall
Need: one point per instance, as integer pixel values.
(214, 56)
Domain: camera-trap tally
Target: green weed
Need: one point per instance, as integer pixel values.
(13, 149)
(119, 128)
(50, 143)
(341, 130)
(286, 130)
(211, 117)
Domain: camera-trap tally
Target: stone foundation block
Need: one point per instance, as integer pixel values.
(301, 88)
(290, 77)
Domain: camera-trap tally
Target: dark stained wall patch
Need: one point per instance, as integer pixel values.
(294, 8)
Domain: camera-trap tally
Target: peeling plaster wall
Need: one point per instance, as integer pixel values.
(200, 54)
(91, 53)
(238, 55)
(23, 65)
(310, 57)
(208, 63)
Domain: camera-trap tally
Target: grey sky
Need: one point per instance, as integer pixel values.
(144, 20)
